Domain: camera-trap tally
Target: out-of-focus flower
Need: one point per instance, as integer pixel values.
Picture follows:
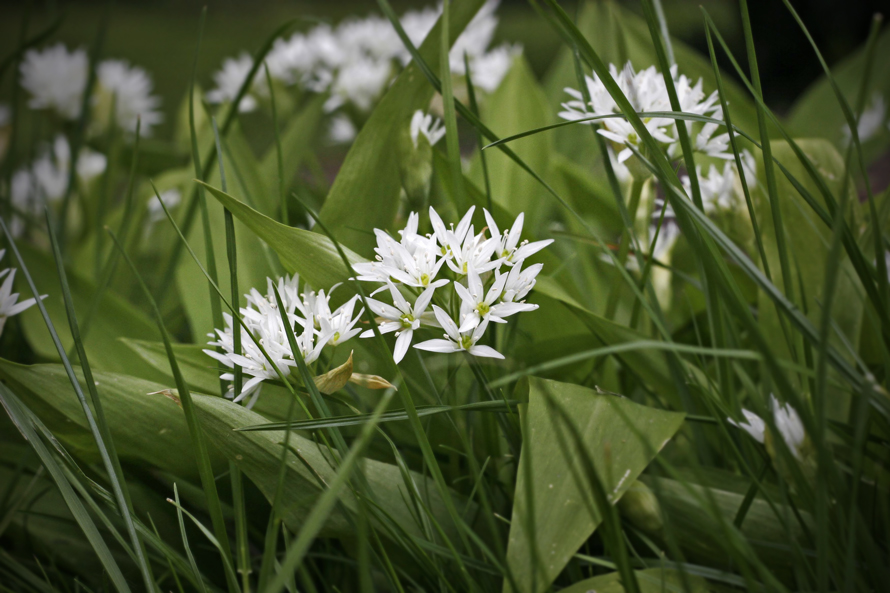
(359, 83)
(787, 422)
(52, 169)
(170, 198)
(129, 88)
(229, 80)
(722, 190)
(56, 79)
(870, 121)
(341, 129)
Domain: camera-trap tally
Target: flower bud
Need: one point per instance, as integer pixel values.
(640, 506)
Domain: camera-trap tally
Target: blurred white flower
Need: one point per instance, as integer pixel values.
(422, 123)
(722, 190)
(170, 198)
(229, 80)
(457, 341)
(359, 83)
(9, 301)
(401, 317)
(56, 79)
(488, 69)
(341, 129)
(753, 425)
(131, 87)
(870, 121)
(52, 169)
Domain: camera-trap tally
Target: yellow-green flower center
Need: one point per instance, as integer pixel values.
(407, 320)
(466, 342)
(425, 279)
(482, 308)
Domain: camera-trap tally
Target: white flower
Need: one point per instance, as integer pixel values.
(52, 168)
(341, 129)
(786, 420)
(450, 240)
(170, 198)
(508, 246)
(24, 200)
(56, 79)
(488, 70)
(229, 80)
(360, 83)
(422, 123)
(477, 305)
(131, 88)
(456, 341)
(401, 317)
(646, 92)
(9, 304)
(753, 425)
(870, 121)
(475, 253)
(722, 191)
(339, 326)
(520, 282)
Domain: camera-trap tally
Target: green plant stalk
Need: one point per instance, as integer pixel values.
(208, 480)
(282, 193)
(297, 550)
(636, 191)
(22, 418)
(241, 542)
(111, 141)
(98, 424)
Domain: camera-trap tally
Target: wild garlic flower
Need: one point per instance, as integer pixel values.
(787, 422)
(129, 88)
(401, 317)
(310, 319)
(170, 198)
(483, 289)
(646, 92)
(428, 126)
(9, 301)
(870, 121)
(229, 80)
(722, 190)
(456, 340)
(56, 79)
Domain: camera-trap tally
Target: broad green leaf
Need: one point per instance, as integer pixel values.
(114, 318)
(258, 455)
(366, 192)
(619, 35)
(651, 580)
(808, 239)
(297, 138)
(518, 104)
(817, 114)
(561, 520)
(311, 255)
(145, 425)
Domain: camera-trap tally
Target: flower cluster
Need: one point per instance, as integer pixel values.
(486, 274)
(647, 92)
(310, 319)
(56, 79)
(357, 60)
(46, 179)
(9, 301)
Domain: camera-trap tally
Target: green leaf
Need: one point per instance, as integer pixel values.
(808, 240)
(258, 455)
(114, 318)
(817, 114)
(561, 520)
(158, 438)
(518, 104)
(311, 255)
(651, 580)
(366, 192)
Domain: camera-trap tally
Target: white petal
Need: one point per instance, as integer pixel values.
(436, 346)
(485, 352)
(402, 344)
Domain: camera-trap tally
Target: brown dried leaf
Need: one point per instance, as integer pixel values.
(335, 379)
(371, 381)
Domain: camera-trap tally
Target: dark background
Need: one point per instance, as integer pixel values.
(160, 34)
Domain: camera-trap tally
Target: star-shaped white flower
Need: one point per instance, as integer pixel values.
(339, 325)
(451, 240)
(753, 425)
(508, 246)
(520, 282)
(457, 341)
(430, 127)
(401, 317)
(477, 305)
(9, 304)
(476, 252)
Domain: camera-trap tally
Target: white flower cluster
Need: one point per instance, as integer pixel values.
(722, 190)
(787, 422)
(9, 304)
(482, 294)
(310, 318)
(46, 179)
(56, 79)
(358, 59)
(647, 92)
